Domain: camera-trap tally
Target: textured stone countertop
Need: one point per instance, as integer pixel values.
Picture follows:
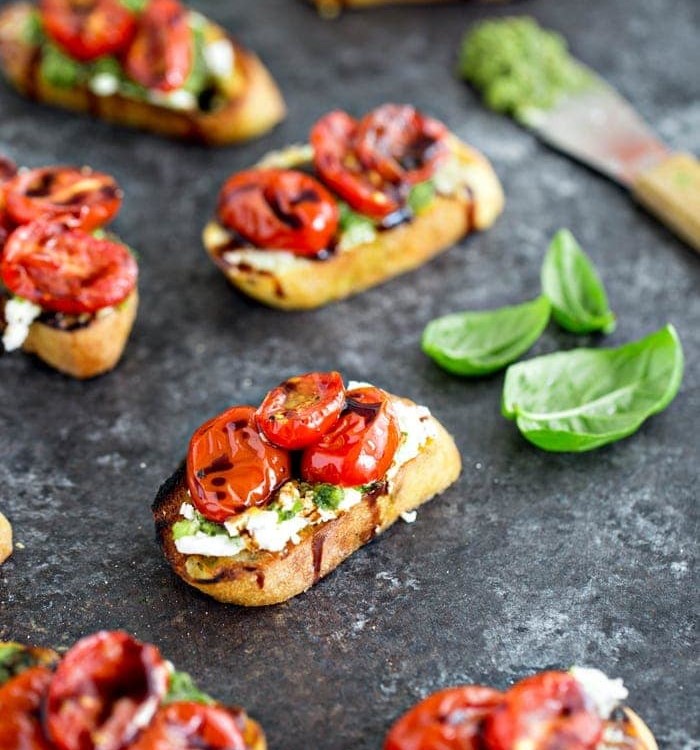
(532, 560)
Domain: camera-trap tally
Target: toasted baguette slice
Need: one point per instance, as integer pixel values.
(632, 733)
(5, 539)
(261, 578)
(86, 351)
(296, 283)
(250, 111)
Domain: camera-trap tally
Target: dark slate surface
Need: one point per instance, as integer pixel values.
(531, 560)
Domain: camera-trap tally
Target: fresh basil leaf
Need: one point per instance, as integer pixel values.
(421, 196)
(328, 496)
(198, 77)
(355, 229)
(33, 31)
(135, 6)
(570, 281)
(60, 70)
(477, 343)
(185, 528)
(581, 399)
(182, 688)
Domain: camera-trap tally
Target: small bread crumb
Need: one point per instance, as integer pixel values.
(5, 539)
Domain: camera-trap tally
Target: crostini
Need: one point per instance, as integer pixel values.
(111, 691)
(362, 202)
(581, 709)
(67, 288)
(150, 64)
(5, 539)
(272, 499)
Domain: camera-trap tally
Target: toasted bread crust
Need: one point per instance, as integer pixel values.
(5, 539)
(88, 351)
(307, 284)
(254, 110)
(636, 731)
(261, 578)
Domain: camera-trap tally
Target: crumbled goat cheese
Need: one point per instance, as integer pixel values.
(19, 315)
(263, 260)
(272, 534)
(187, 511)
(220, 545)
(104, 84)
(219, 57)
(296, 155)
(409, 516)
(416, 429)
(179, 99)
(604, 693)
(453, 176)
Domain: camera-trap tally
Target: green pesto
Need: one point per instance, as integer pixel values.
(328, 496)
(135, 6)
(421, 196)
(33, 32)
(285, 515)
(519, 67)
(182, 688)
(355, 228)
(14, 659)
(60, 70)
(198, 78)
(198, 523)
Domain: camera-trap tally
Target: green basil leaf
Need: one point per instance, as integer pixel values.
(478, 343)
(355, 229)
(182, 688)
(135, 6)
(328, 496)
(581, 399)
(60, 70)
(570, 281)
(421, 196)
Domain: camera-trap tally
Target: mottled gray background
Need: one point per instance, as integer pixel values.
(532, 560)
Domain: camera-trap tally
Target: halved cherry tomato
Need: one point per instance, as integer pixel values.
(373, 163)
(447, 720)
(279, 209)
(66, 270)
(20, 710)
(545, 711)
(106, 688)
(84, 198)
(361, 445)
(192, 726)
(161, 55)
(7, 171)
(88, 29)
(300, 410)
(231, 467)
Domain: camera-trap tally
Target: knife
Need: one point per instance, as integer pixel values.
(592, 123)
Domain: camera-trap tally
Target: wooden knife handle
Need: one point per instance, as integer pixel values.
(671, 191)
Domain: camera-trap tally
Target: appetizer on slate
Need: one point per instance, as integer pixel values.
(575, 710)
(151, 64)
(111, 692)
(364, 201)
(272, 499)
(68, 289)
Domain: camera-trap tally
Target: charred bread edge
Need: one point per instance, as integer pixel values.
(634, 726)
(5, 539)
(262, 578)
(253, 112)
(310, 283)
(253, 734)
(87, 351)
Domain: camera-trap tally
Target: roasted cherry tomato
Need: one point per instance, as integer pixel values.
(279, 209)
(372, 164)
(8, 169)
(361, 445)
(448, 720)
(84, 198)
(192, 726)
(106, 688)
(161, 55)
(548, 710)
(66, 270)
(88, 29)
(231, 467)
(300, 410)
(20, 710)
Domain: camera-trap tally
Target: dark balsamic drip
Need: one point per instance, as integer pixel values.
(63, 322)
(259, 575)
(418, 152)
(42, 186)
(368, 411)
(207, 99)
(222, 463)
(33, 72)
(285, 217)
(305, 196)
(373, 504)
(471, 208)
(317, 553)
(376, 490)
(401, 216)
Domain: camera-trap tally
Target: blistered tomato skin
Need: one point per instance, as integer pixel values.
(545, 711)
(161, 55)
(372, 163)
(279, 209)
(448, 720)
(20, 710)
(104, 691)
(80, 197)
(87, 29)
(232, 467)
(192, 726)
(361, 445)
(302, 409)
(66, 270)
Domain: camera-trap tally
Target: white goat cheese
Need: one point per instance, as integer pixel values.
(605, 694)
(104, 84)
(220, 545)
(19, 315)
(220, 57)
